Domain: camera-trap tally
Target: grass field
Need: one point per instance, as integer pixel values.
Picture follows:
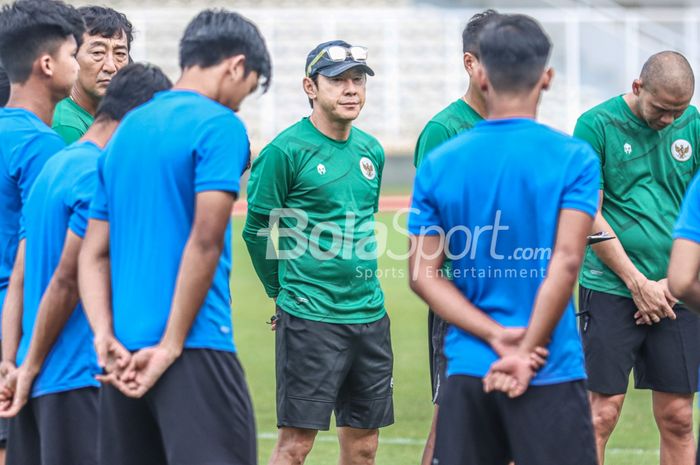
(635, 442)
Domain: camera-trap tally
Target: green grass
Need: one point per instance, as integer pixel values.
(635, 441)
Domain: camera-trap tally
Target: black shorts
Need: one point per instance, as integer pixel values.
(437, 328)
(665, 355)
(546, 425)
(55, 429)
(199, 412)
(322, 367)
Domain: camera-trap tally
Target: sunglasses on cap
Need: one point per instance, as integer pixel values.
(338, 53)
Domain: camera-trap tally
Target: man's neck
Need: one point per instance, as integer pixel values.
(100, 132)
(34, 98)
(475, 99)
(631, 101)
(513, 106)
(84, 100)
(336, 130)
(204, 81)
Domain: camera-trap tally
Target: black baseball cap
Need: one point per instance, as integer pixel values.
(329, 68)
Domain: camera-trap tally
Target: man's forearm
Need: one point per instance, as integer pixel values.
(57, 305)
(13, 309)
(258, 243)
(194, 280)
(551, 301)
(613, 255)
(449, 303)
(96, 293)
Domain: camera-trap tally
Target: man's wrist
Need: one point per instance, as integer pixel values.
(173, 348)
(635, 281)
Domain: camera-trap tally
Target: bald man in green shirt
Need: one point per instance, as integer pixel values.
(647, 141)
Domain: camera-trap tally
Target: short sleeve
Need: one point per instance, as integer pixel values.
(688, 224)
(222, 154)
(587, 129)
(99, 205)
(433, 135)
(82, 193)
(270, 180)
(424, 217)
(582, 182)
(28, 163)
(69, 134)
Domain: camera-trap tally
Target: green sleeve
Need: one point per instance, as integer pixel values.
(68, 133)
(380, 172)
(433, 135)
(586, 129)
(270, 181)
(256, 235)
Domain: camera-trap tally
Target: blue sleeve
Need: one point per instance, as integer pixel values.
(583, 182)
(83, 191)
(27, 163)
(688, 224)
(222, 155)
(99, 207)
(424, 217)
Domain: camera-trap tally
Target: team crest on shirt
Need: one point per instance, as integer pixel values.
(367, 168)
(681, 150)
(321, 169)
(628, 149)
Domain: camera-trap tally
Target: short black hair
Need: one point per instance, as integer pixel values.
(514, 50)
(29, 28)
(214, 35)
(470, 34)
(4, 87)
(132, 86)
(107, 23)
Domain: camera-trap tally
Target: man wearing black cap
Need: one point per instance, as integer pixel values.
(320, 180)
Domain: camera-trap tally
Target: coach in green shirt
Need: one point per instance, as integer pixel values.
(647, 141)
(320, 180)
(104, 51)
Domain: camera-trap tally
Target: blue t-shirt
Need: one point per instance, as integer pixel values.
(496, 192)
(164, 153)
(688, 224)
(59, 200)
(26, 143)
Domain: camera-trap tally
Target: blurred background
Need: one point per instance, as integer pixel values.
(415, 50)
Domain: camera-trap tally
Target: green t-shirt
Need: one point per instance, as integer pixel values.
(458, 116)
(644, 176)
(334, 188)
(70, 120)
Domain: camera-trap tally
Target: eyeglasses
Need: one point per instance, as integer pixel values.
(339, 53)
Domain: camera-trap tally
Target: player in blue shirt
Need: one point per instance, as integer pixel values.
(510, 203)
(55, 383)
(684, 265)
(38, 42)
(159, 243)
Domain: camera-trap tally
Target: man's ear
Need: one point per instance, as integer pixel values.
(637, 86)
(469, 63)
(46, 65)
(547, 78)
(309, 87)
(236, 67)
